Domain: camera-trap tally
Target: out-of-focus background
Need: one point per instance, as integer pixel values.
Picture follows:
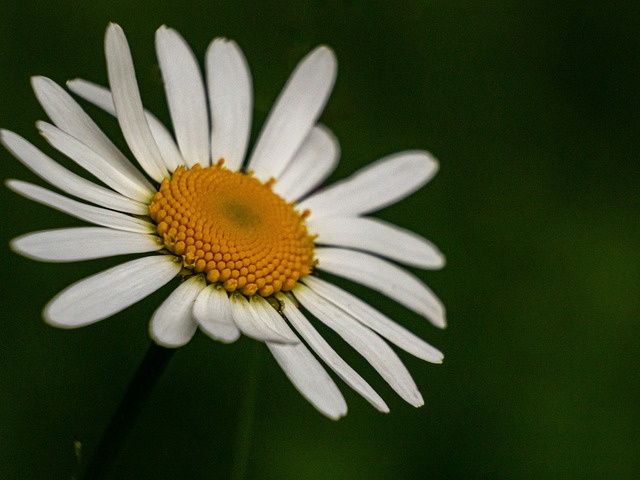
(532, 109)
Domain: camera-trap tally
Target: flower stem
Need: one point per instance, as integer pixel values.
(141, 386)
(247, 414)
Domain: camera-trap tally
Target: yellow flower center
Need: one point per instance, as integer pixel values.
(233, 229)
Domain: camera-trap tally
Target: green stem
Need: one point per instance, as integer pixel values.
(141, 386)
(247, 414)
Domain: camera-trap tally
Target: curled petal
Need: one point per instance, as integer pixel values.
(173, 325)
(212, 311)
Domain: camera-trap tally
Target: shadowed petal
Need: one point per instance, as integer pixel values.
(212, 311)
(172, 324)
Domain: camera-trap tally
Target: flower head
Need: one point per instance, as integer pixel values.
(250, 239)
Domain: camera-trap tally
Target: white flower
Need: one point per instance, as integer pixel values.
(245, 236)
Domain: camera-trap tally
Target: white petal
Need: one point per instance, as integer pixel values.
(294, 114)
(329, 355)
(251, 325)
(65, 180)
(372, 318)
(379, 237)
(384, 277)
(313, 163)
(69, 117)
(108, 292)
(186, 97)
(93, 93)
(172, 324)
(263, 311)
(102, 98)
(365, 341)
(165, 142)
(310, 378)
(83, 243)
(126, 98)
(376, 186)
(88, 213)
(98, 166)
(212, 311)
(230, 102)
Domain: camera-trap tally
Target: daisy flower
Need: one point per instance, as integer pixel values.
(249, 238)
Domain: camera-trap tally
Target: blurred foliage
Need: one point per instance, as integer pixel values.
(532, 109)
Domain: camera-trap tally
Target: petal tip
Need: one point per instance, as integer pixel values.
(55, 320)
(326, 55)
(114, 33)
(416, 401)
(113, 26)
(164, 31)
(223, 43)
(14, 245)
(437, 360)
(433, 165)
(381, 406)
(165, 344)
(168, 339)
(326, 51)
(37, 81)
(335, 416)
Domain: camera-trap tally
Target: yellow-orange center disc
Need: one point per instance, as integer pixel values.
(233, 229)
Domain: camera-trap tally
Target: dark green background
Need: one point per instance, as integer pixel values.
(532, 109)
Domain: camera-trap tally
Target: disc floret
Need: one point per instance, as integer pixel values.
(233, 229)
